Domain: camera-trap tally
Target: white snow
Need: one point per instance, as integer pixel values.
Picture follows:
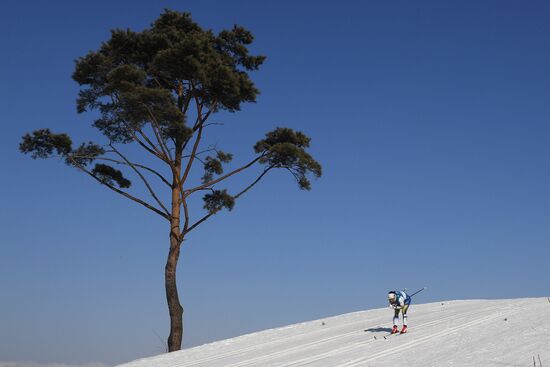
(450, 333)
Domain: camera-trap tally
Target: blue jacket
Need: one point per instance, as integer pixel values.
(402, 300)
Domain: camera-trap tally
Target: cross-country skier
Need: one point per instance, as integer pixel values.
(399, 301)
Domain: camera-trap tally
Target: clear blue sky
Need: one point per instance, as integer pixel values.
(431, 120)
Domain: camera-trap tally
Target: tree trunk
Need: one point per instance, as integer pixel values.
(174, 307)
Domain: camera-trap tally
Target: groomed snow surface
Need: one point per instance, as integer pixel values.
(450, 333)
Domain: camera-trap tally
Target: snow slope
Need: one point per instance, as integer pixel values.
(450, 333)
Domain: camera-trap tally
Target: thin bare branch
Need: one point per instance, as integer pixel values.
(197, 126)
(203, 219)
(296, 177)
(203, 119)
(151, 191)
(213, 182)
(199, 122)
(192, 158)
(187, 99)
(161, 177)
(200, 159)
(153, 150)
(201, 152)
(186, 215)
(125, 194)
(153, 172)
(199, 222)
(253, 183)
(156, 130)
(159, 152)
(214, 123)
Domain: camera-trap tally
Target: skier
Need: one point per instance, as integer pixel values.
(399, 301)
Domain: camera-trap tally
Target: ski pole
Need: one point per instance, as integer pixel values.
(418, 291)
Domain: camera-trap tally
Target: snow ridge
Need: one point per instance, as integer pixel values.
(450, 333)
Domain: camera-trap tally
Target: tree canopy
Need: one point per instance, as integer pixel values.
(157, 89)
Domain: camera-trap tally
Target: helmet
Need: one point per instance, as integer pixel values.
(392, 296)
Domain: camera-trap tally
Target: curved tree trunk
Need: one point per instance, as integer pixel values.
(174, 307)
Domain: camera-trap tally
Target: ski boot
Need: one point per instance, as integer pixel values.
(404, 330)
(394, 330)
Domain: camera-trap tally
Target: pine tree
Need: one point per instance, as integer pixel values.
(157, 89)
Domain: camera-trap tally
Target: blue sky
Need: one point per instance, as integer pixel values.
(431, 121)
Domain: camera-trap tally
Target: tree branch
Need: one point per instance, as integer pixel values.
(156, 130)
(191, 158)
(213, 182)
(186, 216)
(201, 152)
(296, 177)
(154, 151)
(159, 152)
(187, 99)
(125, 194)
(214, 123)
(119, 162)
(199, 222)
(253, 183)
(151, 191)
(203, 219)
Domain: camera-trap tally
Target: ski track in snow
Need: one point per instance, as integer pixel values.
(355, 339)
(361, 336)
(275, 343)
(360, 344)
(413, 343)
(358, 327)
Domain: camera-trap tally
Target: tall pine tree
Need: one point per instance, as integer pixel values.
(157, 89)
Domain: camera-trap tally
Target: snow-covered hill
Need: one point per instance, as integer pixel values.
(450, 333)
